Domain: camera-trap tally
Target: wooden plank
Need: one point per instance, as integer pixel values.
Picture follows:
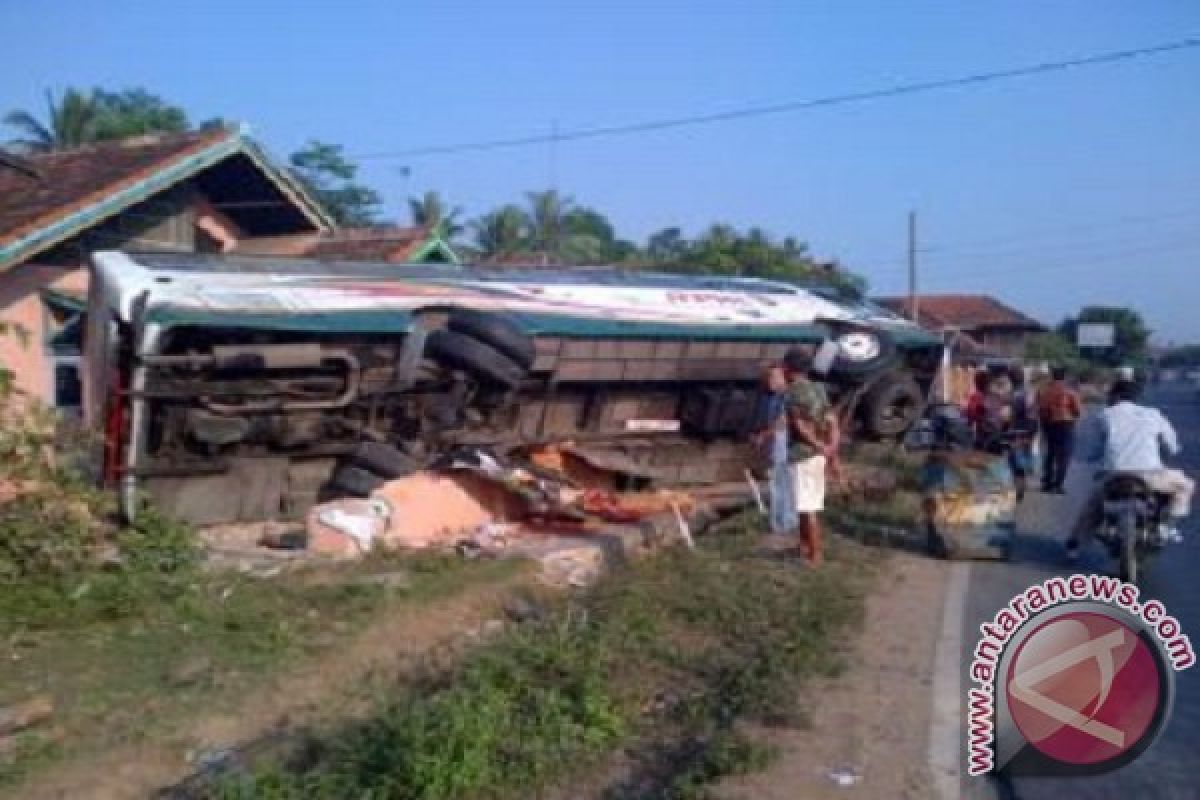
(668, 350)
(578, 348)
(637, 348)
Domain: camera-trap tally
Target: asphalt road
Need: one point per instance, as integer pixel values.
(1171, 768)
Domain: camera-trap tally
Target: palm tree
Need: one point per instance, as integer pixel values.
(430, 211)
(666, 246)
(547, 227)
(69, 123)
(84, 117)
(501, 232)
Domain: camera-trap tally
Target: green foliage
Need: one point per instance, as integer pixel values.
(332, 178)
(555, 230)
(724, 250)
(69, 122)
(65, 563)
(132, 112)
(82, 117)
(63, 557)
(1054, 349)
(1132, 335)
(552, 230)
(431, 212)
(501, 233)
(727, 753)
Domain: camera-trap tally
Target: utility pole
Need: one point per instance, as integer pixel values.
(554, 154)
(913, 309)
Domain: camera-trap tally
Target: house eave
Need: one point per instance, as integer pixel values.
(47, 236)
(432, 245)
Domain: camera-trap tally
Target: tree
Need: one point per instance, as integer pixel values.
(501, 232)
(70, 122)
(1131, 339)
(591, 239)
(133, 112)
(722, 249)
(666, 246)
(581, 221)
(431, 212)
(547, 210)
(81, 118)
(1054, 349)
(326, 172)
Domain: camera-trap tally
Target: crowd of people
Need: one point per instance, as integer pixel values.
(798, 436)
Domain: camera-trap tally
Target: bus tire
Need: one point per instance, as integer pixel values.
(497, 330)
(863, 351)
(467, 353)
(354, 481)
(384, 460)
(892, 405)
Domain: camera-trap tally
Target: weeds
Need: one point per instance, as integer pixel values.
(727, 753)
(670, 654)
(65, 564)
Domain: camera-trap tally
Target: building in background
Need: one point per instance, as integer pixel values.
(392, 244)
(984, 327)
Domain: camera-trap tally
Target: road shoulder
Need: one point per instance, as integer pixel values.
(871, 724)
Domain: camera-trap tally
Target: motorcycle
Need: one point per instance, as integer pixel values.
(1133, 525)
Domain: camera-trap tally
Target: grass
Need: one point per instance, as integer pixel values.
(663, 659)
(131, 654)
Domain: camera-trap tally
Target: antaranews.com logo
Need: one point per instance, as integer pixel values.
(1074, 676)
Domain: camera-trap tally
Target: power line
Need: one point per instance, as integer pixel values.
(1040, 267)
(1019, 250)
(1050, 232)
(578, 134)
(967, 248)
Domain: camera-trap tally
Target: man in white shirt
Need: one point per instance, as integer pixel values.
(1130, 440)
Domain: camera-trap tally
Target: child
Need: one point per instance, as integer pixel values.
(770, 437)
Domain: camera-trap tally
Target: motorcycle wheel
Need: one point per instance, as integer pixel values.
(1129, 555)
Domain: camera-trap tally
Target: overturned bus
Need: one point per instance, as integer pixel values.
(243, 389)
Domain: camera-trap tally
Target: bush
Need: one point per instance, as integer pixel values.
(64, 559)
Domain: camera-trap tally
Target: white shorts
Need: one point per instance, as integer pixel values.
(808, 477)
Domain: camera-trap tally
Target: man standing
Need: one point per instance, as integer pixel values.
(1022, 427)
(814, 440)
(1059, 410)
(1130, 441)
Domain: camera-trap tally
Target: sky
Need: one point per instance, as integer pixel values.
(1051, 192)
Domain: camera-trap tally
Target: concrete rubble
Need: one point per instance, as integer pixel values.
(557, 506)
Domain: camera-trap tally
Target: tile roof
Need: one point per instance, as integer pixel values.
(392, 244)
(369, 244)
(72, 179)
(78, 188)
(963, 311)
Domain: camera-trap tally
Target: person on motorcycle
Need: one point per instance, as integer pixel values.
(1129, 441)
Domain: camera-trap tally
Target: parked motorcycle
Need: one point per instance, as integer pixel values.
(1133, 525)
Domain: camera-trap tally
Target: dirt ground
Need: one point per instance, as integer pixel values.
(336, 683)
(872, 721)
